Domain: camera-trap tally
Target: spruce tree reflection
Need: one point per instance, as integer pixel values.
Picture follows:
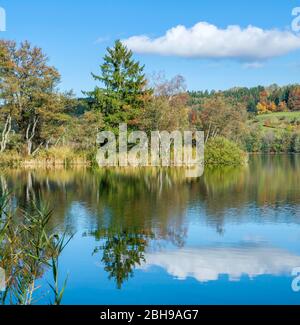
(123, 251)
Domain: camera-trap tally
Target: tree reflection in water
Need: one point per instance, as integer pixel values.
(122, 251)
(131, 210)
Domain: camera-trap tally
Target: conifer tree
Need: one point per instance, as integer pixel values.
(124, 92)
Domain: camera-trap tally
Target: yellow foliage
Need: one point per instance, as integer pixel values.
(262, 108)
(272, 107)
(266, 107)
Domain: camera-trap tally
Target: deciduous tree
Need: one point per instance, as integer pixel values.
(222, 118)
(294, 99)
(29, 96)
(168, 108)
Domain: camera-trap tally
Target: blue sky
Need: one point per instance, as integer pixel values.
(75, 34)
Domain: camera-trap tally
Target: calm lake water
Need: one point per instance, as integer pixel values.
(154, 237)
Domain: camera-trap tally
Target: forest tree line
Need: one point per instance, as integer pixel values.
(36, 117)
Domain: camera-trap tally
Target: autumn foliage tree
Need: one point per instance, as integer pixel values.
(266, 105)
(8, 85)
(294, 99)
(30, 100)
(220, 117)
(168, 108)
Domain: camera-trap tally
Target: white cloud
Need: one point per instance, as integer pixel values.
(209, 264)
(205, 40)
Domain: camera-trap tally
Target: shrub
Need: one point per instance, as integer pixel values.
(267, 142)
(267, 123)
(252, 141)
(220, 152)
(296, 143)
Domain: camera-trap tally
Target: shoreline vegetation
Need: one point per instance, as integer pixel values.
(16, 162)
(27, 257)
(40, 126)
(61, 158)
(219, 152)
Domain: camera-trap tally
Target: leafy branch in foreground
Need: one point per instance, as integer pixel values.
(27, 250)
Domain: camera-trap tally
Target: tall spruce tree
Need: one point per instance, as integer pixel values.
(124, 92)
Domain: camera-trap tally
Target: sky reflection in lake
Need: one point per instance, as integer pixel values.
(152, 236)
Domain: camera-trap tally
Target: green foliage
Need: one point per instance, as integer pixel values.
(220, 152)
(84, 129)
(37, 120)
(123, 251)
(58, 246)
(275, 142)
(248, 97)
(296, 143)
(30, 103)
(273, 133)
(252, 141)
(280, 98)
(124, 91)
(284, 116)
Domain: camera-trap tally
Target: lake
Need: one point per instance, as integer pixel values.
(151, 236)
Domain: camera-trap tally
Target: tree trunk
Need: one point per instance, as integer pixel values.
(37, 149)
(5, 134)
(29, 147)
(30, 134)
